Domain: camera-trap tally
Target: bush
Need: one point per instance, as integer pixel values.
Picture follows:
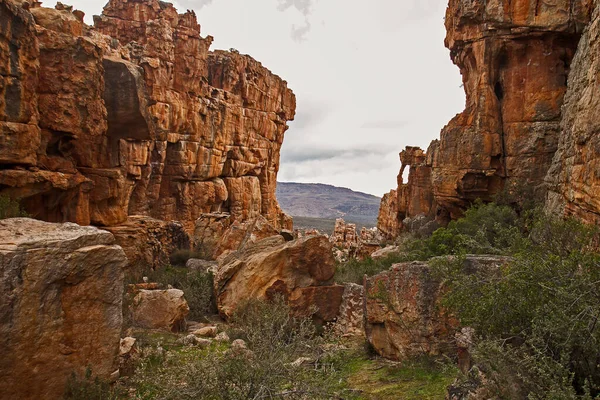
(266, 370)
(538, 314)
(485, 229)
(196, 285)
(90, 388)
(354, 270)
(10, 208)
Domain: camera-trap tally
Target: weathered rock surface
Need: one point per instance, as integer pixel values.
(351, 319)
(61, 291)
(148, 242)
(135, 117)
(573, 179)
(160, 309)
(404, 316)
(272, 266)
(514, 57)
(218, 234)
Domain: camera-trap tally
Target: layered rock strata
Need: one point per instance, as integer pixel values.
(61, 292)
(515, 57)
(135, 117)
(574, 180)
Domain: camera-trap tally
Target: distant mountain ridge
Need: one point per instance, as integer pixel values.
(317, 200)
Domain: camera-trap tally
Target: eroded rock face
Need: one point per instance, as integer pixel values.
(298, 270)
(61, 291)
(148, 242)
(573, 179)
(218, 234)
(160, 309)
(135, 117)
(404, 315)
(514, 57)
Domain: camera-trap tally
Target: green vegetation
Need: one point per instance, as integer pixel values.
(10, 208)
(354, 270)
(414, 380)
(267, 369)
(197, 286)
(91, 388)
(537, 317)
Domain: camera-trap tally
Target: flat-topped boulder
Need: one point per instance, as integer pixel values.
(61, 291)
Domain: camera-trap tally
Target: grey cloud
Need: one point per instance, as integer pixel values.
(194, 3)
(384, 124)
(304, 6)
(310, 114)
(299, 33)
(309, 154)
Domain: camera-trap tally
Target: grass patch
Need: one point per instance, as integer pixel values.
(414, 380)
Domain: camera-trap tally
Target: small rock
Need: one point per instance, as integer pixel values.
(239, 344)
(222, 337)
(189, 340)
(301, 361)
(126, 346)
(196, 264)
(207, 331)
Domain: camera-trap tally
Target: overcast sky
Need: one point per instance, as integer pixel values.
(370, 76)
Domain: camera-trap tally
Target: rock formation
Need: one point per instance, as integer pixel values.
(300, 270)
(135, 117)
(217, 234)
(61, 292)
(573, 179)
(148, 242)
(514, 57)
(404, 315)
(160, 309)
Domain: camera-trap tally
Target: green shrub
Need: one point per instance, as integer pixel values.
(485, 229)
(10, 208)
(354, 270)
(196, 285)
(543, 307)
(266, 370)
(91, 388)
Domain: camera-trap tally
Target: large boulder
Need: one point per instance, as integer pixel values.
(160, 309)
(272, 266)
(61, 291)
(404, 315)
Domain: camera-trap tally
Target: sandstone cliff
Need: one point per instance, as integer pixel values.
(514, 57)
(135, 116)
(573, 179)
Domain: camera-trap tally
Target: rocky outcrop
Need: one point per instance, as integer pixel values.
(351, 318)
(160, 309)
(573, 179)
(148, 242)
(61, 291)
(404, 314)
(218, 234)
(297, 270)
(515, 57)
(135, 117)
